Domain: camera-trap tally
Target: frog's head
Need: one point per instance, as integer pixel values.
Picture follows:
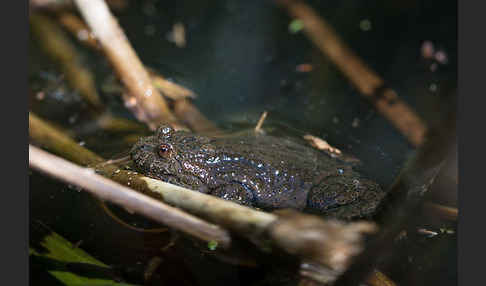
(163, 155)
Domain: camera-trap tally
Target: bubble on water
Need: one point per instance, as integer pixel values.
(149, 9)
(83, 35)
(433, 67)
(441, 57)
(365, 25)
(131, 102)
(150, 30)
(72, 119)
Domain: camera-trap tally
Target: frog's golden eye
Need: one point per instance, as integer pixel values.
(165, 150)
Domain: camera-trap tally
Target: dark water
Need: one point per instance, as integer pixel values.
(241, 60)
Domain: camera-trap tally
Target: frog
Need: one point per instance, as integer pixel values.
(260, 171)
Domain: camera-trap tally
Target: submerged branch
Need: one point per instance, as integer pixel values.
(378, 278)
(367, 81)
(110, 191)
(194, 119)
(55, 44)
(142, 98)
(53, 139)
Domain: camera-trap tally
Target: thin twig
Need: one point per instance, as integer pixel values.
(54, 139)
(123, 196)
(106, 121)
(77, 27)
(445, 212)
(152, 266)
(142, 98)
(322, 144)
(426, 232)
(170, 89)
(368, 82)
(258, 127)
(377, 278)
(192, 117)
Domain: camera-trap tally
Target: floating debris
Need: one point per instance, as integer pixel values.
(212, 245)
(258, 127)
(441, 57)
(427, 232)
(149, 30)
(177, 35)
(304, 68)
(427, 50)
(321, 144)
(40, 95)
(365, 25)
(296, 26)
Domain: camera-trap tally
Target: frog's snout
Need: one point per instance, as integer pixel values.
(140, 149)
(146, 148)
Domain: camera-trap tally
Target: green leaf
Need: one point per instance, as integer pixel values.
(69, 264)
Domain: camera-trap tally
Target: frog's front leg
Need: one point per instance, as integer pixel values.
(234, 192)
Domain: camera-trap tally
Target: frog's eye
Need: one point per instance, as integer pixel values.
(165, 150)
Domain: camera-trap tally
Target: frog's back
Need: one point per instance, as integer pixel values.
(277, 172)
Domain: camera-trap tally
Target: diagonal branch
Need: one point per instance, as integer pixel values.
(367, 81)
(143, 99)
(123, 196)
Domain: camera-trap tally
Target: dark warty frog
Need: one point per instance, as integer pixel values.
(257, 170)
